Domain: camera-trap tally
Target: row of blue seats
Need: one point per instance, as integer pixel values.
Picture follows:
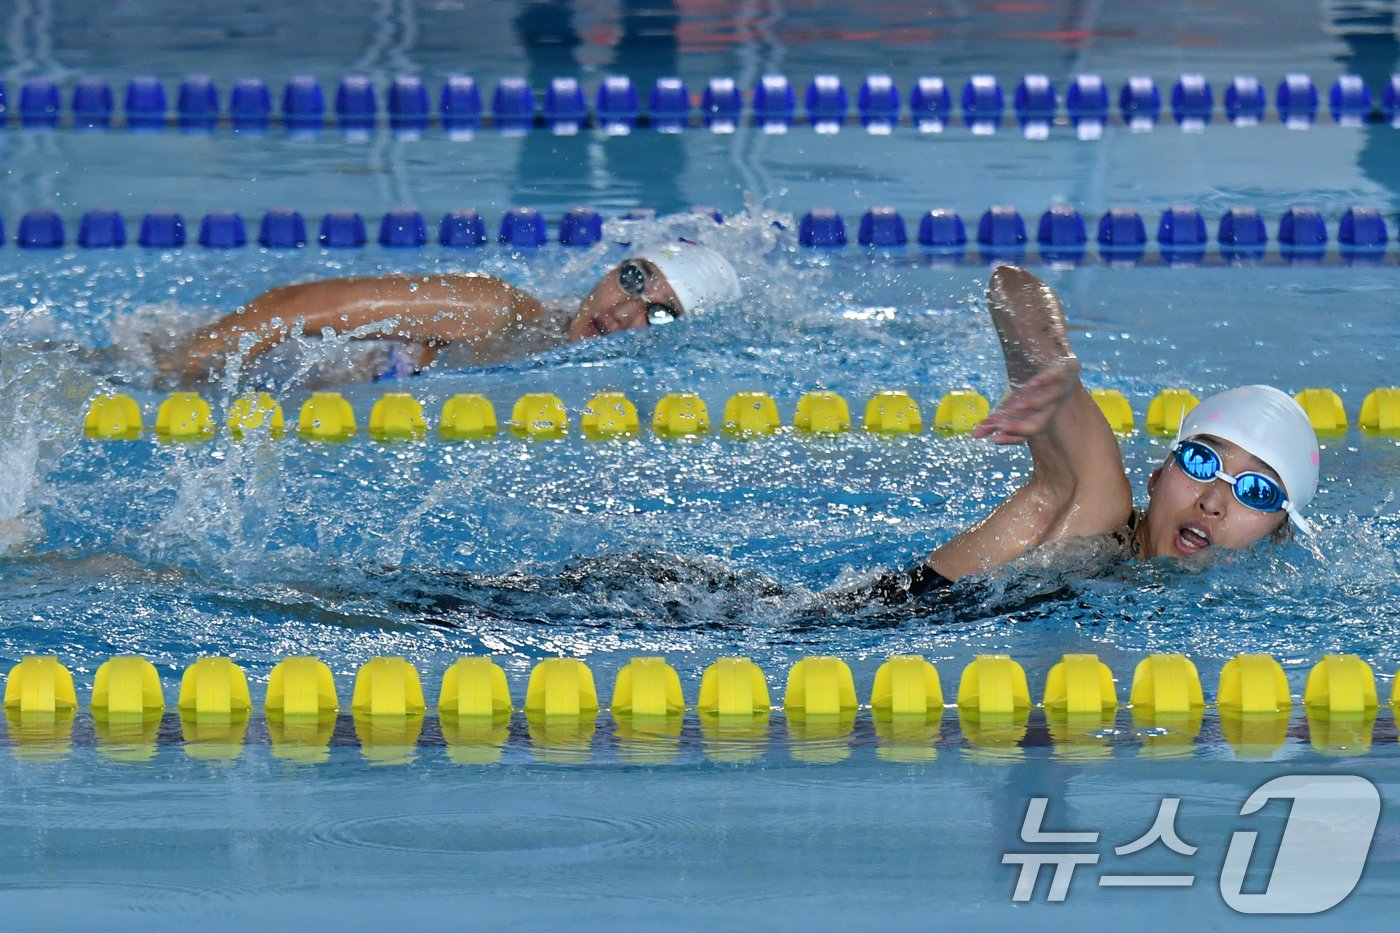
(1061, 234)
(670, 105)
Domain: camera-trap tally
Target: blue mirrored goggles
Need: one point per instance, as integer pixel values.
(1253, 490)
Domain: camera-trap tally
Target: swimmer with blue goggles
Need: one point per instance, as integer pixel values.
(1242, 467)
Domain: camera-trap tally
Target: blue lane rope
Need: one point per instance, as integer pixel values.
(564, 105)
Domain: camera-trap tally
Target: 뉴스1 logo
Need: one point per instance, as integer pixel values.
(1319, 862)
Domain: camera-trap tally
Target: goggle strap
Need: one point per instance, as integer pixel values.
(1303, 524)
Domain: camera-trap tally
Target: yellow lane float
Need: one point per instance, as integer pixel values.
(960, 411)
(327, 416)
(893, 413)
(467, 417)
(397, 416)
(822, 413)
(114, 417)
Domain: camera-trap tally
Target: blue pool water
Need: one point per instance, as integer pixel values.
(696, 549)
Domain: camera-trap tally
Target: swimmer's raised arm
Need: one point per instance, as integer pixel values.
(432, 310)
(1077, 485)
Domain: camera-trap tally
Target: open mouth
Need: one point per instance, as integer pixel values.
(1192, 538)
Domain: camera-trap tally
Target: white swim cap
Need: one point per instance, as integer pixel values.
(697, 274)
(1270, 425)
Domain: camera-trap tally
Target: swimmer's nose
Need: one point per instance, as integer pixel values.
(1212, 499)
(630, 314)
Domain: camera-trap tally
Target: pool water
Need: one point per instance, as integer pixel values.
(690, 549)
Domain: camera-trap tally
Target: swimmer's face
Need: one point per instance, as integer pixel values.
(1186, 517)
(610, 307)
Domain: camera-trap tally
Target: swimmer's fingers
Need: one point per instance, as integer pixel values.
(1027, 411)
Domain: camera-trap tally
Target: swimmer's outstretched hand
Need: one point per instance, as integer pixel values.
(1040, 366)
(1026, 413)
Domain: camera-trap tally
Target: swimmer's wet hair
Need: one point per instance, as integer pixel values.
(1282, 535)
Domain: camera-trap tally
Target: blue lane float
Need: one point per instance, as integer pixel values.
(145, 104)
(617, 105)
(826, 103)
(1362, 234)
(523, 227)
(822, 228)
(930, 104)
(356, 106)
(1122, 235)
(40, 229)
(983, 104)
(1302, 234)
(39, 104)
(1181, 235)
(1350, 101)
(92, 104)
(102, 228)
(1296, 100)
(1242, 235)
(565, 109)
(162, 229)
(1390, 101)
(1001, 235)
(1035, 103)
(460, 105)
(403, 228)
(774, 103)
(408, 104)
(668, 105)
(1193, 101)
(942, 229)
(197, 105)
(462, 229)
(282, 228)
(342, 230)
(1061, 235)
(250, 106)
(222, 230)
(877, 104)
(1140, 102)
(1244, 100)
(1087, 105)
(721, 105)
(513, 105)
(882, 227)
(581, 226)
(303, 104)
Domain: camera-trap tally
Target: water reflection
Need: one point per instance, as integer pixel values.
(648, 740)
(1341, 735)
(822, 740)
(734, 739)
(1167, 735)
(909, 738)
(40, 737)
(127, 737)
(1255, 735)
(475, 740)
(1080, 736)
(993, 737)
(303, 738)
(562, 740)
(213, 737)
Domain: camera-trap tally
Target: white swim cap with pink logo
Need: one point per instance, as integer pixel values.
(1271, 426)
(697, 274)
